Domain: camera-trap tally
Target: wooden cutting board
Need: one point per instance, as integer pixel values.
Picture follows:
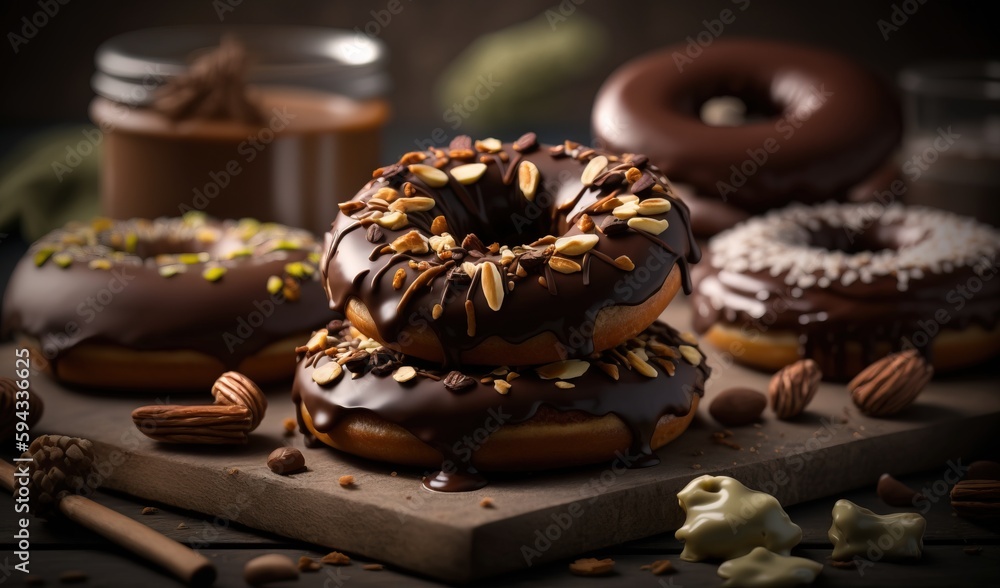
(389, 517)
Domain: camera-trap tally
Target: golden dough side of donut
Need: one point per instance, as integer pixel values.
(113, 367)
(550, 439)
(613, 326)
(771, 351)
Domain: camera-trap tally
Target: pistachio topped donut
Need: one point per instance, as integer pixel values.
(845, 284)
(517, 253)
(166, 303)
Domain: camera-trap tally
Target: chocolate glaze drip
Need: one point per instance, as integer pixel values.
(496, 212)
(876, 315)
(214, 87)
(447, 420)
(131, 304)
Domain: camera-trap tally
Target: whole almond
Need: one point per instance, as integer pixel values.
(890, 384)
(493, 286)
(233, 388)
(272, 567)
(594, 168)
(738, 406)
(793, 388)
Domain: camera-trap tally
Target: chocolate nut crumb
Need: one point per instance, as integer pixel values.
(308, 564)
(373, 567)
(289, 426)
(662, 566)
(592, 567)
(335, 558)
(149, 510)
(181, 527)
(487, 502)
(346, 481)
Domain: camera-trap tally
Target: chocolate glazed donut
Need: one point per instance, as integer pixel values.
(407, 259)
(817, 124)
(620, 404)
(846, 284)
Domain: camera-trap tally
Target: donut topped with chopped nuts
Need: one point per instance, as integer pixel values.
(358, 396)
(516, 253)
(166, 303)
(846, 284)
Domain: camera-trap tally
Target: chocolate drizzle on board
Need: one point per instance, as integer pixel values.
(454, 412)
(498, 211)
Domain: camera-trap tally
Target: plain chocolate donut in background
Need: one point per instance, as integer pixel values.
(824, 123)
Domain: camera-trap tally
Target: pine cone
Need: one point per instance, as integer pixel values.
(60, 467)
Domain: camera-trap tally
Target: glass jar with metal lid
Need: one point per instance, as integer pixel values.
(275, 123)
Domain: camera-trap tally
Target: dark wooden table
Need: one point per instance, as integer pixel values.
(957, 552)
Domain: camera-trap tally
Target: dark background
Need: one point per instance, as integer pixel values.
(48, 80)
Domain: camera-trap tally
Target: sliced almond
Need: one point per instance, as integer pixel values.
(607, 204)
(470, 269)
(565, 385)
(690, 354)
(350, 207)
(441, 243)
(563, 370)
(667, 365)
(436, 311)
(412, 157)
(398, 279)
(501, 386)
(431, 176)
(626, 198)
(439, 225)
(640, 364)
(468, 173)
(388, 194)
(585, 224)
(648, 225)
(626, 211)
(318, 341)
(393, 221)
(411, 242)
(624, 262)
(404, 374)
(633, 174)
(506, 256)
(527, 179)
(577, 244)
(490, 145)
(327, 373)
(595, 167)
(654, 206)
(493, 286)
(414, 204)
(609, 368)
(563, 265)
(660, 349)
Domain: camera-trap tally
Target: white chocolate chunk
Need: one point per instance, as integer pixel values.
(765, 569)
(725, 520)
(858, 532)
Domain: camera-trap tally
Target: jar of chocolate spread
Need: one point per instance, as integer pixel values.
(275, 123)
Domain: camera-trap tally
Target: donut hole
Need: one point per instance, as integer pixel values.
(741, 102)
(878, 237)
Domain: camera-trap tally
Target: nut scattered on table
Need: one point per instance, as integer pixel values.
(895, 493)
(373, 567)
(286, 460)
(890, 384)
(208, 425)
(793, 387)
(335, 558)
(976, 499)
(346, 481)
(272, 567)
(661, 567)
(737, 406)
(308, 564)
(591, 566)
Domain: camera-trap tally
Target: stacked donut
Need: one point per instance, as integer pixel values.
(509, 292)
